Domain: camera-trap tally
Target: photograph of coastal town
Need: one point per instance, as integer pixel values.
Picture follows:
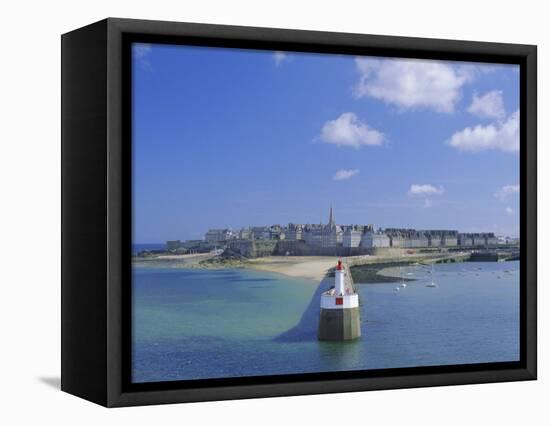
(306, 213)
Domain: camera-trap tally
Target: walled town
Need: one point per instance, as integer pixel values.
(331, 239)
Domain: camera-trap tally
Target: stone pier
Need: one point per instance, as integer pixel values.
(339, 318)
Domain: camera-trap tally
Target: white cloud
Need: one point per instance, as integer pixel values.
(142, 49)
(509, 211)
(506, 191)
(348, 130)
(279, 57)
(141, 53)
(425, 189)
(345, 174)
(473, 70)
(412, 83)
(502, 136)
(490, 105)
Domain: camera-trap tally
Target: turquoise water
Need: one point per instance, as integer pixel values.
(196, 324)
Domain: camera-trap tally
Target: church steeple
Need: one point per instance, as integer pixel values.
(331, 222)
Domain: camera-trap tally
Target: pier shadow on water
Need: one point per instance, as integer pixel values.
(306, 329)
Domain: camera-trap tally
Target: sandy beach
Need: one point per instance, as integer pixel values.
(315, 267)
(309, 267)
(197, 256)
(172, 260)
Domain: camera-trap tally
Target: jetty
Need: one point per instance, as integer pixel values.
(339, 317)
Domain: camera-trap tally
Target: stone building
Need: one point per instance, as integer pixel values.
(329, 235)
(352, 236)
(416, 239)
(407, 238)
(491, 239)
(261, 232)
(276, 232)
(218, 235)
(465, 240)
(374, 239)
(441, 237)
(478, 239)
(172, 245)
(245, 234)
(293, 232)
(449, 239)
(435, 239)
(397, 239)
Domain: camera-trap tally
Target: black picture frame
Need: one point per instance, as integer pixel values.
(96, 211)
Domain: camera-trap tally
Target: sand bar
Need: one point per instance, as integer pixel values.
(309, 267)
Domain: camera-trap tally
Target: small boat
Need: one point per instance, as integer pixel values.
(403, 285)
(397, 288)
(432, 284)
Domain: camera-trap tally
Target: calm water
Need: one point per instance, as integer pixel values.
(194, 324)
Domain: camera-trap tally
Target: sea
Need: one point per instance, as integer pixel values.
(200, 324)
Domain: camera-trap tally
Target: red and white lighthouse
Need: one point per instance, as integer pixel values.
(339, 276)
(339, 316)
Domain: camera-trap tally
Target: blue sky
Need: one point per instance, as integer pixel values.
(231, 138)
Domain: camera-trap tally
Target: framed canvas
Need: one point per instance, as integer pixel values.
(255, 212)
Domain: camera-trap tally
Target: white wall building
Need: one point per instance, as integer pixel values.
(352, 237)
(372, 239)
